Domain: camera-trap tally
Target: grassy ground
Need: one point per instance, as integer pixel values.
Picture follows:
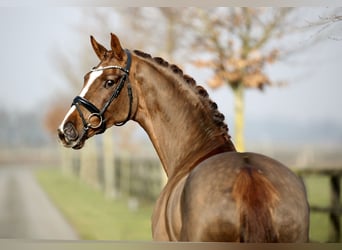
(96, 217)
(93, 216)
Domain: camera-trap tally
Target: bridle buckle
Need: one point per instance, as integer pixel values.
(90, 124)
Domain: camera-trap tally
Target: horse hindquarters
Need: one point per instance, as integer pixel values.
(255, 197)
(238, 210)
(245, 198)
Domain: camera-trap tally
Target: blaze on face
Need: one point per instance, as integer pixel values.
(105, 99)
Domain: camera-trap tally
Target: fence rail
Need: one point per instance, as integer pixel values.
(334, 210)
(141, 178)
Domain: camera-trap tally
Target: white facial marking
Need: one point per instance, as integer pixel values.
(93, 76)
(61, 127)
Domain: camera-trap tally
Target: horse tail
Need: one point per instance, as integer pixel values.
(255, 196)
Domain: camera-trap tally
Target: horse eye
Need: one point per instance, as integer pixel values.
(109, 83)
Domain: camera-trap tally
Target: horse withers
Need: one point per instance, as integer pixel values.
(213, 192)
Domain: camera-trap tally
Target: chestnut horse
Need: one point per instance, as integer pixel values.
(213, 193)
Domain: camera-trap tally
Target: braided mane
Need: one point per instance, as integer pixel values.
(217, 116)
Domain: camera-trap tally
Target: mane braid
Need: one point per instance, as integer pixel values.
(218, 117)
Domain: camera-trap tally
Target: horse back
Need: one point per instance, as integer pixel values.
(256, 199)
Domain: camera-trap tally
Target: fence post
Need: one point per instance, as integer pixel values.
(125, 178)
(89, 164)
(335, 190)
(66, 161)
(109, 164)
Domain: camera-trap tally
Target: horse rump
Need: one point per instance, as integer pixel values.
(255, 197)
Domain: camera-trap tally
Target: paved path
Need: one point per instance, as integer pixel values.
(25, 210)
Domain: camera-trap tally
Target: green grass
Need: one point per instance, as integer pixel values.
(92, 215)
(97, 218)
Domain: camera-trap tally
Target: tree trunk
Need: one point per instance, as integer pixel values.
(239, 120)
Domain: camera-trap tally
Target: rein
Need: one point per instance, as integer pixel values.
(97, 113)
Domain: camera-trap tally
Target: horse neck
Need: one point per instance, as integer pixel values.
(177, 121)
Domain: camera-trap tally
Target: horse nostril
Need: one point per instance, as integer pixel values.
(70, 132)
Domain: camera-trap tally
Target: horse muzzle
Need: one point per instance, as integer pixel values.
(69, 137)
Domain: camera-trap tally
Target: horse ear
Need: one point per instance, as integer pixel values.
(116, 47)
(98, 48)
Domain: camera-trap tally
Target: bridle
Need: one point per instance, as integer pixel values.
(100, 127)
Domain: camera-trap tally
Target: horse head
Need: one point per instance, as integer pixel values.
(105, 100)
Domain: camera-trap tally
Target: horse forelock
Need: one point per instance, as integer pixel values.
(217, 117)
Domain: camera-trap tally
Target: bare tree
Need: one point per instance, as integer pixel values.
(329, 23)
(158, 30)
(238, 43)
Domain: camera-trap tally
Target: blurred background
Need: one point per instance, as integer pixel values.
(275, 73)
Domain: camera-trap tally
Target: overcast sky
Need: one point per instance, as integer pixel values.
(28, 77)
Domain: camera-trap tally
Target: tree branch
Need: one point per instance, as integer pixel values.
(270, 28)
